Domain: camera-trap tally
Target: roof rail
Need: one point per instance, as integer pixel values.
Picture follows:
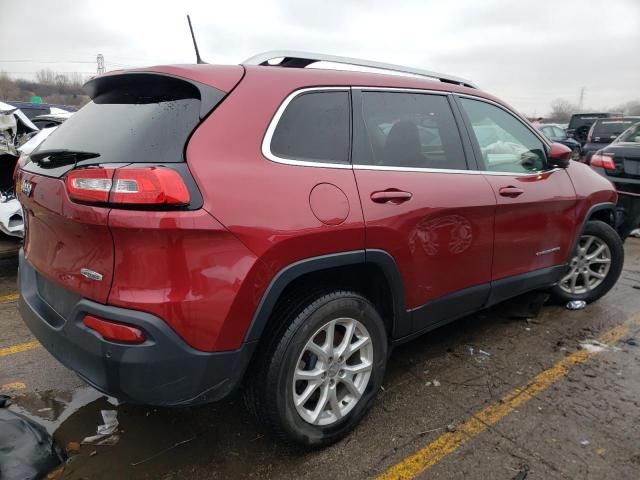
(302, 59)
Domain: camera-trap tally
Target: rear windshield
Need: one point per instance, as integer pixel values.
(585, 119)
(135, 122)
(610, 129)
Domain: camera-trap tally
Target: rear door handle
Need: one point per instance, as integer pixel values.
(391, 195)
(511, 192)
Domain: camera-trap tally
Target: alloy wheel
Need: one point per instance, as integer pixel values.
(589, 267)
(332, 371)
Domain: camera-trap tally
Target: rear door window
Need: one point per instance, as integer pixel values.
(409, 130)
(314, 127)
(505, 143)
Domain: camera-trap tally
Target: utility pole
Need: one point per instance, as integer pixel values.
(100, 60)
(580, 103)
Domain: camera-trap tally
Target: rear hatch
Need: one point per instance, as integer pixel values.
(113, 153)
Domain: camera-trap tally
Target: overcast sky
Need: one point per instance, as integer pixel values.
(526, 52)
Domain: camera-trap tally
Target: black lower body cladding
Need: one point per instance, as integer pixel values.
(163, 370)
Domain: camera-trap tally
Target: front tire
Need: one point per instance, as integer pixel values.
(595, 267)
(316, 380)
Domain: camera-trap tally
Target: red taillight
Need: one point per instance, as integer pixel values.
(128, 186)
(90, 184)
(115, 332)
(603, 161)
(151, 185)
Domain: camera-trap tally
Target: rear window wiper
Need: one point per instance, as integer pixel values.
(58, 157)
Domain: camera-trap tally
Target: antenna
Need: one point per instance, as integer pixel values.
(195, 45)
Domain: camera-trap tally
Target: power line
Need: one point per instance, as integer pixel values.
(45, 61)
(31, 72)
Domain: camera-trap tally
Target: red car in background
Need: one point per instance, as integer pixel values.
(197, 228)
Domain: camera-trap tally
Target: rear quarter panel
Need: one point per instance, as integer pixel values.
(265, 204)
(187, 269)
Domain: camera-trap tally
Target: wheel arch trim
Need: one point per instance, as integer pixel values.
(598, 207)
(292, 272)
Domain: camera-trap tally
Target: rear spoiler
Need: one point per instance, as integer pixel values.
(154, 87)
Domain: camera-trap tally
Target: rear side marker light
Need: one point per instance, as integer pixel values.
(112, 331)
(128, 186)
(603, 161)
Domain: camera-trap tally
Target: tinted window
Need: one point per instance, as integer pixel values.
(132, 124)
(410, 130)
(607, 130)
(505, 143)
(586, 119)
(314, 127)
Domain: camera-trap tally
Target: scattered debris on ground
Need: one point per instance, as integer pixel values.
(576, 305)
(105, 433)
(480, 355)
(593, 346)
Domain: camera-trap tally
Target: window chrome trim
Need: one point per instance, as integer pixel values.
(402, 90)
(266, 141)
(447, 170)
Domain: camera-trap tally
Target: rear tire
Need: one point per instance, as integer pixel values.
(302, 362)
(595, 266)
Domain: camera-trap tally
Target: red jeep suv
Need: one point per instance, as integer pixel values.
(196, 228)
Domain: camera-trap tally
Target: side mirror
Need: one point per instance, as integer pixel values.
(559, 155)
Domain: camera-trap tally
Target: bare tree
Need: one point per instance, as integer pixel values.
(561, 111)
(46, 76)
(62, 81)
(76, 81)
(8, 89)
(631, 108)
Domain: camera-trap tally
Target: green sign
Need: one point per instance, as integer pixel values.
(36, 99)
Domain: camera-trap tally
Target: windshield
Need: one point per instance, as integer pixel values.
(631, 135)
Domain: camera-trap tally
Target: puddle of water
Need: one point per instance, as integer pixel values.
(51, 408)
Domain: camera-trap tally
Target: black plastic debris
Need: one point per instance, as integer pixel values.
(27, 451)
(523, 473)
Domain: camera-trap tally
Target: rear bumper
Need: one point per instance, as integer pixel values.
(162, 371)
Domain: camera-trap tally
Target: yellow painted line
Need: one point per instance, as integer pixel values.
(9, 298)
(20, 347)
(449, 442)
(8, 387)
